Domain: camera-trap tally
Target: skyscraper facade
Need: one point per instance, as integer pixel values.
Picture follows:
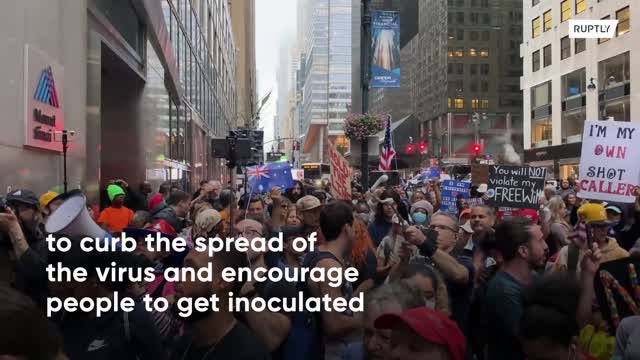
(327, 83)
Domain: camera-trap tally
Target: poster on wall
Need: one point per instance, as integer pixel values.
(609, 161)
(44, 102)
(515, 186)
(385, 49)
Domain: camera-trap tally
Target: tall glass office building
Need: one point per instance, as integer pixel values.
(327, 76)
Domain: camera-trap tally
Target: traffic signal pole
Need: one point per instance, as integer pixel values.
(365, 47)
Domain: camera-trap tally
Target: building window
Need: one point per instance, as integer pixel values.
(475, 103)
(541, 95)
(535, 27)
(460, 18)
(581, 45)
(473, 52)
(475, 35)
(614, 89)
(449, 68)
(484, 104)
(473, 69)
(535, 61)
(484, 52)
(449, 103)
(603, 40)
(581, 5)
(459, 103)
(474, 85)
(484, 69)
(546, 55)
(623, 21)
(547, 20)
(541, 131)
(565, 8)
(573, 110)
(485, 36)
(460, 34)
(450, 52)
(460, 68)
(484, 86)
(565, 48)
(458, 52)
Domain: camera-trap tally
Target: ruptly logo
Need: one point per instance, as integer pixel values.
(46, 89)
(592, 29)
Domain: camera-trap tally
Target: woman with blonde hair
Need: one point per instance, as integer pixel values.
(559, 227)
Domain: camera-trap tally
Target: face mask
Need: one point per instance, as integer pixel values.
(431, 304)
(419, 218)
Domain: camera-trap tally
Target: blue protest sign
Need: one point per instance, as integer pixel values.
(451, 189)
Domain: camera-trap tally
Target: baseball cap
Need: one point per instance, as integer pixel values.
(46, 198)
(308, 202)
(467, 227)
(530, 214)
(594, 214)
(206, 221)
(614, 208)
(22, 196)
(432, 325)
(465, 212)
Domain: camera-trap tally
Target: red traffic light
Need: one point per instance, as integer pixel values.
(422, 147)
(410, 148)
(476, 148)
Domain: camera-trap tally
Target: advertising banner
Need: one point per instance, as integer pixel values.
(609, 162)
(385, 49)
(340, 175)
(450, 191)
(515, 186)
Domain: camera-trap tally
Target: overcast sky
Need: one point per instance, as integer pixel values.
(274, 20)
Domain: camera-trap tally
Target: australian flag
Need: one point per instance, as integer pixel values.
(263, 178)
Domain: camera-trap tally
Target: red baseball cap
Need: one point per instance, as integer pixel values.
(531, 214)
(465, 212)
(432, 325)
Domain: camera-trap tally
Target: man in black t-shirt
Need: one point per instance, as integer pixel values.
(216, 334)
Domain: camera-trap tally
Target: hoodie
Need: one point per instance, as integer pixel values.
(610, 251)
(166, 213)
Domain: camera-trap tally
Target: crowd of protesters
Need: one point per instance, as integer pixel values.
(476, 283)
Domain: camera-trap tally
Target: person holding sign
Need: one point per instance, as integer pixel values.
(595, 217)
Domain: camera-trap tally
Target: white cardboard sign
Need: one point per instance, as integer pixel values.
(609, 163)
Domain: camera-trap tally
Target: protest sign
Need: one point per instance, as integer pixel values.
(609, 163)
(515, 186)
(479, 174)
(616, 286)
(450, 191)
(340, 175)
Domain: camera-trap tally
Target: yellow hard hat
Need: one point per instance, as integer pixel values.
(46, 198)
(593, 213)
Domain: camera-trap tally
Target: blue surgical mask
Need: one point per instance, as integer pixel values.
(419, 218)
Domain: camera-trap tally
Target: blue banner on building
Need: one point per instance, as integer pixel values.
(385, 49)
(450, 191)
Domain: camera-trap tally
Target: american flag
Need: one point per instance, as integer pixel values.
(387, 148)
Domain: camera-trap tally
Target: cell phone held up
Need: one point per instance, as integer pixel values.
(3, 205)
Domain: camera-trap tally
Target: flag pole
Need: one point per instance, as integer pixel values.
(395, 158)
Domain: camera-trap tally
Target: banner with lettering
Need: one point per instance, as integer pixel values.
(340, 175)
(450, 191)
(515, 186)
(609, 163)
